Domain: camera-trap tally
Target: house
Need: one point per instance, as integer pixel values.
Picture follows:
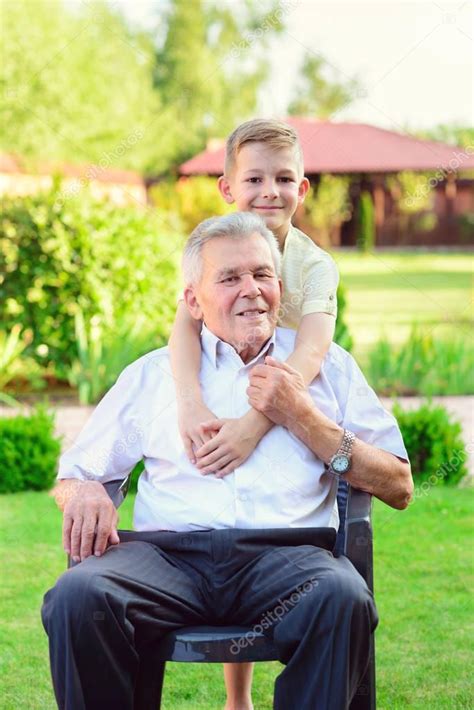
(122, 187)
(368, 156)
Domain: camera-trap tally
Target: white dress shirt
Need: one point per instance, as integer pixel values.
(282, 483)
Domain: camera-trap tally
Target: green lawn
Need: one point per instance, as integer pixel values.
(423, 564)
(389, 291)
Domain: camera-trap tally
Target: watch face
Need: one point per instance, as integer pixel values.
(340, 463)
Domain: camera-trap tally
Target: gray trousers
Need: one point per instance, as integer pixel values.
(103, 614)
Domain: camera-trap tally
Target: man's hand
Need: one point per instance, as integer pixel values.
(90, 522)
(278, 391)
(232, 443)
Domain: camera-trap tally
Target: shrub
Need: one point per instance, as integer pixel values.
(433, 442)
(102, 354)
(328, 206)
(422, 366)
(29, 452)
(193, 199)
(64, 253)
(366, 223)
(342, 336)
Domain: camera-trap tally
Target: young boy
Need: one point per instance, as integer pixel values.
(263, 174)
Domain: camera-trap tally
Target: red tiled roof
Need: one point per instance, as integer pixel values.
(352, 148)
(12, 165)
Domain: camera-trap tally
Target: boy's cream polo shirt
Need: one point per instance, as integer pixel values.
(310, 278)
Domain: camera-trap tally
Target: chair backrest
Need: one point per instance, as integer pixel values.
(342, 495)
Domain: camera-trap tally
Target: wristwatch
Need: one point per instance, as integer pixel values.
(340, 463)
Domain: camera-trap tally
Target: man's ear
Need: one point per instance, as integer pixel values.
(303, 188)
(224, 188)
(192, 303)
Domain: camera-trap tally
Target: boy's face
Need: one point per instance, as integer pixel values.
(267, 182)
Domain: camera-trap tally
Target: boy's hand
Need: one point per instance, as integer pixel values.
(190, 419)
(232, 442)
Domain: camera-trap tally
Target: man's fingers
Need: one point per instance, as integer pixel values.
(272, 362)
(87, 534)
(103, 531)
(67, 527)
(76, 538)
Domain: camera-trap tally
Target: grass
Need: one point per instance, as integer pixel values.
(423, 568)
(389, 291)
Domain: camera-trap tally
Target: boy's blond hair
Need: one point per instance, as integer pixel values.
(275, 134)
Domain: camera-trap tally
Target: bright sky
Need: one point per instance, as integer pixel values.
(413, 58)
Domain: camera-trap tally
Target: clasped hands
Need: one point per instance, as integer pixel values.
(276, 392)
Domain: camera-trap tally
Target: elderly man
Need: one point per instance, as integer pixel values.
(226, 550)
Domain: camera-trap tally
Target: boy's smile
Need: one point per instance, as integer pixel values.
(268, 182)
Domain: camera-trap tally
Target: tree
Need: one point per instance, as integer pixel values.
(318, 93)
(210, 67)
(76, 85)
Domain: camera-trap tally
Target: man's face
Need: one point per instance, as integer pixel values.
(267, 182)
(238, 295)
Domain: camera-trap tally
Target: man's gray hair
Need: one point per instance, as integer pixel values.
(237, 225)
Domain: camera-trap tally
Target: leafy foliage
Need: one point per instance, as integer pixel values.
(366, 223)
(434, 444)
(342, 336)
(62, 256)
(28, 452)
(80, 84)
(328, 206)
(319, 92)
(103, 354)
(194, 199)
(423, 365)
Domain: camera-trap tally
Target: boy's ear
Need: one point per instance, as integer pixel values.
(303, 189)
(224, 188)
(192, 303)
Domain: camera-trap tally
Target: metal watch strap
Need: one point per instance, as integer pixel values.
(347, 443)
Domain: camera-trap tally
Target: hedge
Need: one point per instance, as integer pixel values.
(62, 253)
(29, 452)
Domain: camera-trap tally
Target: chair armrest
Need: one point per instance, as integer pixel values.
(358, 533)
(117, 490)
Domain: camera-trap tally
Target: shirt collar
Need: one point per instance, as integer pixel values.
(216, 349)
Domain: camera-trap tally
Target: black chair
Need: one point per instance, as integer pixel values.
(213, 644)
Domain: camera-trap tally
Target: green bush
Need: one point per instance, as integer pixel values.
(64, 253)
(193, 199)
(342, 336)
(103, 354)
(423, 366)
(366, 223)
(434, 444)
(29, 452)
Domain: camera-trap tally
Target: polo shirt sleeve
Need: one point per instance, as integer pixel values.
(361, 410)
(320, 282)
(110, 444)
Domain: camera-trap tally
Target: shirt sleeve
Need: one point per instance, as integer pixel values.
(362, 411)
(320, 287)
(110, 444)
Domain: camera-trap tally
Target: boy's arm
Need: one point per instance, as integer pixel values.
(185, 359)
(185, 354)
(313, 339)
(237, 438)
